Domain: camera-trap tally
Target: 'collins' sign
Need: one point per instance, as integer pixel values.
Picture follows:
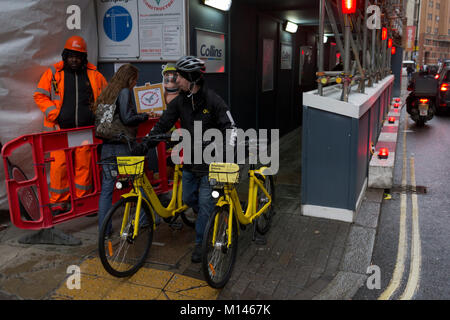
(211, 49)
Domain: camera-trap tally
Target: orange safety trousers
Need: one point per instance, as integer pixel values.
(59, 182)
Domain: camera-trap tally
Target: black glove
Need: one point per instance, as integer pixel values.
(141, 149)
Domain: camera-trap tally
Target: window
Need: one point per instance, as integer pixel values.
(435, 30)
(430, 16)
(429, 30)
(437, 18)
(438, 5)
(430, 4)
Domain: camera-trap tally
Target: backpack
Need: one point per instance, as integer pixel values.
(108, 125)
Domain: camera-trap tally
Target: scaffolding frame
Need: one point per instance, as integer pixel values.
(373, 52)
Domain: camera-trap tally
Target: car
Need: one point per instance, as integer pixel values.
(443, 97)
(443, 64)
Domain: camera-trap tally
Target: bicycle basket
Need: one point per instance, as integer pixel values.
(133, 166)
(223, 173)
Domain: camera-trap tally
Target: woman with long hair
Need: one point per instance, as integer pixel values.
(118, 91)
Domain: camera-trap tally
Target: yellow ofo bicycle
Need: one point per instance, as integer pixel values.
(126, 234)
(220, 241)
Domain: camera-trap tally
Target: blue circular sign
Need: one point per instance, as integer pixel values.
(117, 23)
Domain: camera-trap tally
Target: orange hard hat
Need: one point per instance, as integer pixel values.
(76, 43)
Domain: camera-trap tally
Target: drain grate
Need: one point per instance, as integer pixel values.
(409, 189)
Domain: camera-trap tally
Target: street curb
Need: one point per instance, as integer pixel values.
(381, 171)
(359, 247)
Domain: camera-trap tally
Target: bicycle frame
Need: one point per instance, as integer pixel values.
(141, 187)
(231, 198)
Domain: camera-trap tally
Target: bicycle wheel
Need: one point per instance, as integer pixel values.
(121, 255)
(264, 220)
(218, 259)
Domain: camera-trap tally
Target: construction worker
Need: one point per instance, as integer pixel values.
(65, 94)
(171, 90)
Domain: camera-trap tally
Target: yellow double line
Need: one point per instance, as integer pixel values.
(414, 272)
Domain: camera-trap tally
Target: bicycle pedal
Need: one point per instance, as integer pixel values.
(176, 225)
(260, 240)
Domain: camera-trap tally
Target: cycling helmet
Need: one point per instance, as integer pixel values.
(190, 68)
(190, 64)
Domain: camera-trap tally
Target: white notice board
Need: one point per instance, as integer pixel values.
(158, 31)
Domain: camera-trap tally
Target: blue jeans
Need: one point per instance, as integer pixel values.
(108, 183)
(105, 200)
(197, 195)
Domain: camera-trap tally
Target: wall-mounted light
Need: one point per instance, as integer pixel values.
(223, 5)
(290, 27)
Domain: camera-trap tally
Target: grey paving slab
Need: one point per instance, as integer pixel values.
(359, 250)
(368, 214)
(343, 286)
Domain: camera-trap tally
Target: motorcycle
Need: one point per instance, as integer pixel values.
(421, 102)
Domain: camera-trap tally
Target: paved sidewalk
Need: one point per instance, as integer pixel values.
(304, 258)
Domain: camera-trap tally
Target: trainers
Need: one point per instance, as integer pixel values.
(197, 254)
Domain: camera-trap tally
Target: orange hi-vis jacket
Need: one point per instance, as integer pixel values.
(49, 97)
(49, 93)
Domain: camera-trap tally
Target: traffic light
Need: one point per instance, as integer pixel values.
(348, 6)
(389, 43)
(392, 50)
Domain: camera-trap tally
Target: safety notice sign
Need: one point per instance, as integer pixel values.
(118, 29)
(141, 30)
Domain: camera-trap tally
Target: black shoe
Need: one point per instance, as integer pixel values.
(197, 254)
(60, 209)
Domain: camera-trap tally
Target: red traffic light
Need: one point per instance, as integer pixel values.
(383, 33)
(389, 43)
(393, 50)
(383, 153)
(391, 119)
(396, 105)
(348, 6)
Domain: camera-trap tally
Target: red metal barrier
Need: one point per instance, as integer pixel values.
(67, 140)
